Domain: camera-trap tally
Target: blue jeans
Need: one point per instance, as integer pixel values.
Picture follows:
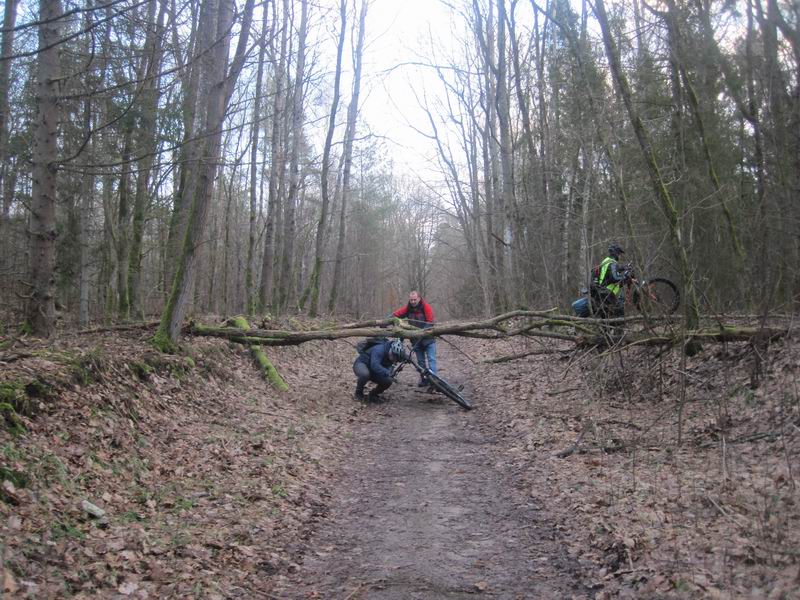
(426, 355)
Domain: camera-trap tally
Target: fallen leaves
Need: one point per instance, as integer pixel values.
(164, 486)
(712, 519)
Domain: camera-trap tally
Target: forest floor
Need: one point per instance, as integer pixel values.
(133, 474)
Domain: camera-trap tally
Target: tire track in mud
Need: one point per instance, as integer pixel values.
(426, 507)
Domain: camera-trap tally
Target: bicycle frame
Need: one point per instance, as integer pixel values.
(423, 371)
(436, 382)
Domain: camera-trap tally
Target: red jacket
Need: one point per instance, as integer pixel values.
(420, 316)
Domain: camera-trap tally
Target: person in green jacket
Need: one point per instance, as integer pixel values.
(606, 290)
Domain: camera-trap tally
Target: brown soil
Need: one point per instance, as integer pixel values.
(213, 485)
(428, 506)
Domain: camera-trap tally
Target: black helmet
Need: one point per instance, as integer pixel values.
(614, 250)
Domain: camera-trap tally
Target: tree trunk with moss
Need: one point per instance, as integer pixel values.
(660, 188)
(267, 368)
(219, 21)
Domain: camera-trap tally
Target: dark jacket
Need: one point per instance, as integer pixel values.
(377, 360)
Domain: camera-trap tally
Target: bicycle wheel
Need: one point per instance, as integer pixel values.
(449, 391)
(657, 297)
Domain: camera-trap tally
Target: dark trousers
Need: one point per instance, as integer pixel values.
(364, 375)
(605, 304)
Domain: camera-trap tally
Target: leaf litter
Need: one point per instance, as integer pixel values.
(204, 482)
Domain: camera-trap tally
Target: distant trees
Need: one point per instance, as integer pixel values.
(175, 156)
(669, 155)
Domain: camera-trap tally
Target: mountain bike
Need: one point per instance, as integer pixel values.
(436, 382)
(654, 297)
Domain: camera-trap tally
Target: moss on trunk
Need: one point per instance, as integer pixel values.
(267, 368)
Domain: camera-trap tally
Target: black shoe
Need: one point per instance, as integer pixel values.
(423, 383)
(358, 396)
(374, 398)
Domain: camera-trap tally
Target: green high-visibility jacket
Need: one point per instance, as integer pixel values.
(614, 287)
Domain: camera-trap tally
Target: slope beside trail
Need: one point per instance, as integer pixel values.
(426, 505)
(633, 474)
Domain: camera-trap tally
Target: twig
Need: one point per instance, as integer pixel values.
(125, 327)
(511, 357)
(754, 437)
(559, 392)
(724, 513)
(357, 590)
(623, 423)
(571, 450)
(9, 358)
(459, 350)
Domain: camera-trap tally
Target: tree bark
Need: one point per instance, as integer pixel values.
(319, 243)
(286, 293)
(123, 222)
(276, 169)
(505, 151)
(349, 137)
(6, 49)
(660, 188)
(40, 310)
(214, 67)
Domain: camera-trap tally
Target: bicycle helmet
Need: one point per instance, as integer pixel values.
(614, 250)
(398, 350)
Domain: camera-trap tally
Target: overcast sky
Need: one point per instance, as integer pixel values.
(399, 35)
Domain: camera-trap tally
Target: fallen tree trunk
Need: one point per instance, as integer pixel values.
(720, 334)
(540, 324)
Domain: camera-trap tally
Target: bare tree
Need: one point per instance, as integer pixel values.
(146, 146)
(41, 302)
(347, 155)
(6, 50)
(277, 166)
(218, 21)
(287, 288)
(319, 242)
(252, 233)
(660, 189)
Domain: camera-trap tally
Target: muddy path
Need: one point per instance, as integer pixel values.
(427, 506)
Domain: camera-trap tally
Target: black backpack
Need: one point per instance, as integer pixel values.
(369, 342)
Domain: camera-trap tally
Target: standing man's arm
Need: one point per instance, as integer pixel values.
(401, 312)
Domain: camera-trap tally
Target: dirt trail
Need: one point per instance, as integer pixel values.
(426, 506)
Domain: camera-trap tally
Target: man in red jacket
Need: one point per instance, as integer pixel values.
(420, 314)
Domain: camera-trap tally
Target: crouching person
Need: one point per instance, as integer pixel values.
(375, 364)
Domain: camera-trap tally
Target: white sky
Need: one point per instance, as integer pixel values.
(399, 33)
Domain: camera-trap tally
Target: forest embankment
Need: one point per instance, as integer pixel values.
(210, 484)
